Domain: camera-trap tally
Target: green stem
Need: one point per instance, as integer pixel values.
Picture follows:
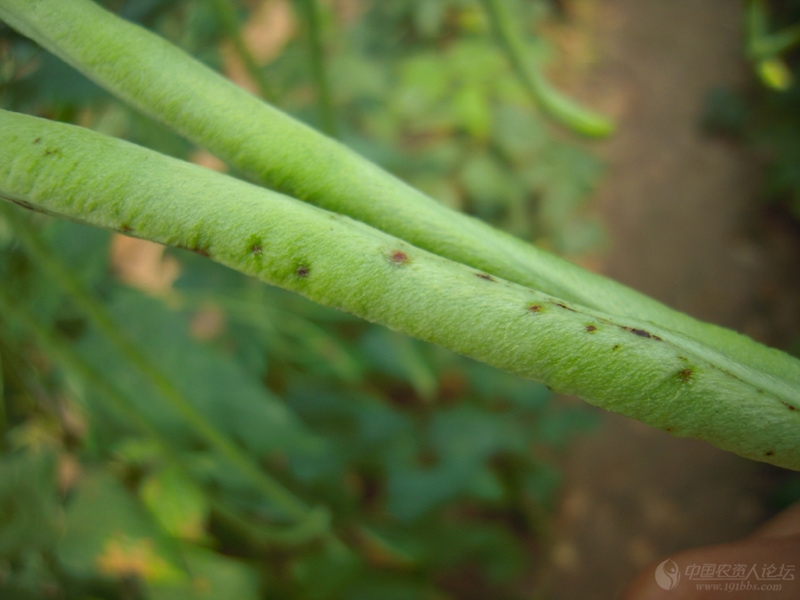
(284, 500)
(310, 11)
(629, 366)
(560, 108)
(227, 15)
(278, 151)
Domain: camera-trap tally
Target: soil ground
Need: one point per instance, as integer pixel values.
(686, 226)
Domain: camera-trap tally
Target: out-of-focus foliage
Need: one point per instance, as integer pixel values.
(766, 115)
(433, 473)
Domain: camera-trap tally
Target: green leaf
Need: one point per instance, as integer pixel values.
(226, 394)
(107, 533)
(179, 506)
(28, 503)
(211, 577)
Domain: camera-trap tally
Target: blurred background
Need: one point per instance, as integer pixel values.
(171, 429)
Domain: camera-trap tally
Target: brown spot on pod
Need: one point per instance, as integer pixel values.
(642, 333)
(685, 375)
(591, 328)
(51, 151)
(37, 140)
(616, 347)
(125, 228)
(302, 271)
(398, 257)
(789, 406)
(564, 306)
(484, 276)
(769, 453)
(256, 250)
(535, 308)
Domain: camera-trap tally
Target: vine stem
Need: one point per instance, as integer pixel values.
(280, 152)
(542, 94)
(310, 11)
(629, 366)
(227, 15)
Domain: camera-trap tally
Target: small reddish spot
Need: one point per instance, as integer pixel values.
(591, 329)
(398, 257)
(685, 375)
(303, 271)
(789, 406)
(535, 308)
(484, 276)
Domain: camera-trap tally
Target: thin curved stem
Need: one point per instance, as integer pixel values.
(542, 94)
(227, 14)
(310, 10)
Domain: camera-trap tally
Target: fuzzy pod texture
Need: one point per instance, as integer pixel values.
(279, 152)
(627, 366)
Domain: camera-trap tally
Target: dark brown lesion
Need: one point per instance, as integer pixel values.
(564, 306)
(789, 406)
(535, 308)
(685, 375)
(256, 250)
(485, 276)
(643, 333)
(591, 328)
(302, 271)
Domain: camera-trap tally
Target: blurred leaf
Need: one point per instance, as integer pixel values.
(28, 503)
(107, 533)
(212, 577)
(179, 506)
(229, 397)
(400, 356)
(775, 74)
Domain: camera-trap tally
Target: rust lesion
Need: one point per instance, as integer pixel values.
(398, 257)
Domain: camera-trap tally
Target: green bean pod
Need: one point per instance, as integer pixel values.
(279, 152)
(627, 366)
